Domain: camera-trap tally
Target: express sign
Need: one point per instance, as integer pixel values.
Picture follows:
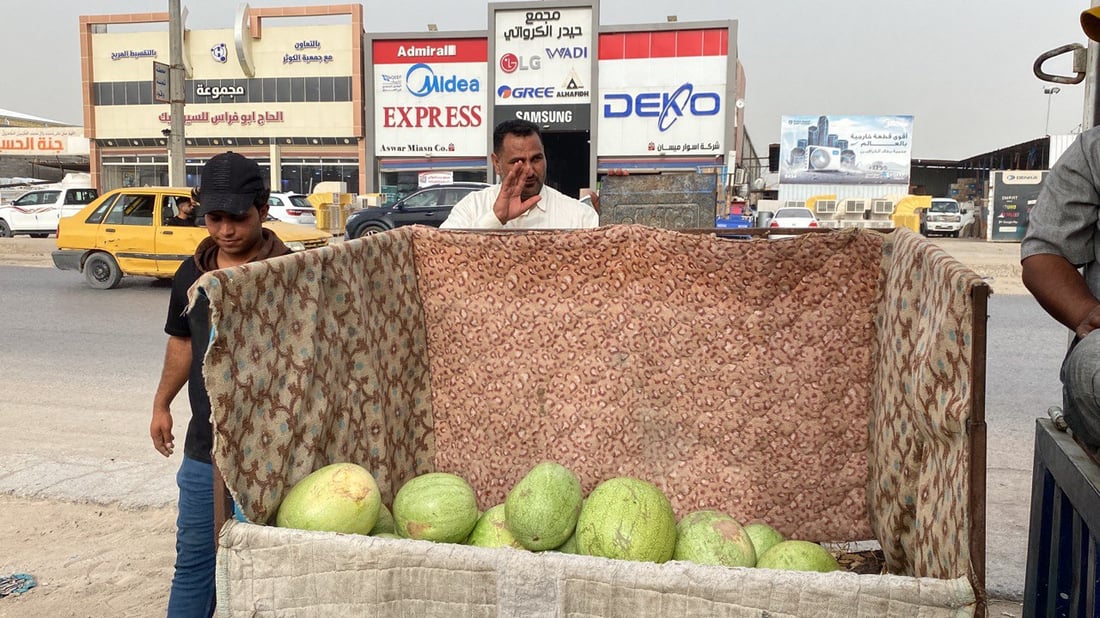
(428, 92)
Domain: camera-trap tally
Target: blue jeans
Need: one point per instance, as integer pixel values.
(196, 548)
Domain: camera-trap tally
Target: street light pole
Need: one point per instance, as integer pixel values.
(1050, 92)
(176, 163)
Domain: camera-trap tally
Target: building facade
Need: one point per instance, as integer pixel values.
(390, 112)
(291, 97)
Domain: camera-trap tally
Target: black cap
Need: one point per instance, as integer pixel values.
(230, 183)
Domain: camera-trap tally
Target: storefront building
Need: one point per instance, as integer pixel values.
(388, 113)
(290, 97)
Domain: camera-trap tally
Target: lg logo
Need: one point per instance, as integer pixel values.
(510, 63)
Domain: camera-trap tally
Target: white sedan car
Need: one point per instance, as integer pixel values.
(792, 217)
(292, 208)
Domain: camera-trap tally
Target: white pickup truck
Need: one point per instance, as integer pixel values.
(946, 216)
(37, 211)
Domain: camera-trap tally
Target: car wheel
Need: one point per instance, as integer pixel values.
(102, 271)
(5, 229)
(367, 229)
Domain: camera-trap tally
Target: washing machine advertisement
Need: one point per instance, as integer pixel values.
(845, 150)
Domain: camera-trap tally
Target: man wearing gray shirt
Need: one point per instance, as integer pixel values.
(1060, 255)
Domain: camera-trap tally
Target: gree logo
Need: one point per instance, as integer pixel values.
(507, 92)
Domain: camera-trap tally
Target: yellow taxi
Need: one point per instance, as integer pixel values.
(125, 232)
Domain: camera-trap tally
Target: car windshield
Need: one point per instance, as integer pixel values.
(943, 206)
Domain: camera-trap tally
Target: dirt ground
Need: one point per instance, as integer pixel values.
(104, 560)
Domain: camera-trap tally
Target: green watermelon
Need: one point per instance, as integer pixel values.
(437, 506)
(542, 508)
(341, 497)
(710, 537)
(491, 530)
(798, 556)
(627, 518)
(570, 545)
(763, 536)
(384, 523)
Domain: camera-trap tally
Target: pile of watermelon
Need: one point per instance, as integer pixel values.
(622, 518)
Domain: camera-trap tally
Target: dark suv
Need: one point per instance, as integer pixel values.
(427, 206)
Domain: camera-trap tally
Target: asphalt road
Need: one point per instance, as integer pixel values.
(80, 367)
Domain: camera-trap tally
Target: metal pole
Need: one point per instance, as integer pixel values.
(1092, 104)
(1050, 92)
(177, 176)
(1050, 95)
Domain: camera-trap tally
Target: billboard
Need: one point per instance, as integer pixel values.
(543, 63)
(1014, 194)
(430, 97)
(663, 93)
(831, 150)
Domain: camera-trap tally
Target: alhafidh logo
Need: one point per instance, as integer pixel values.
(220, 52)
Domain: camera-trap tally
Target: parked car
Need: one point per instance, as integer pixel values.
(428, 206)
(37, 212)
(792, 217)
(124, 232)
(292, 208)
(946, 216)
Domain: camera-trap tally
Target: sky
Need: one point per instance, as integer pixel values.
(961, 68)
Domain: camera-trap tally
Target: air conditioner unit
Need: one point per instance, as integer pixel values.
(739, 176)
(825, 207)
(882, 207)
(794, 204)
(823, 159)
(855, 207)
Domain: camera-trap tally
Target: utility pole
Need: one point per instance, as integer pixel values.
(177, 175)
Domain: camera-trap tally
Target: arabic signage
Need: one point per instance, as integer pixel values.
(430, 97)
(160, 83)
(133, 54)
(864, 150)
(213, 93)
(663, 93)
(43, 141)
(228, 121)
(543, 57)
(1015, 193)
(244, 119)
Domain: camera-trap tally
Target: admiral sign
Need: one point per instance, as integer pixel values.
(663, 100)
(426, 91)
(543, 56)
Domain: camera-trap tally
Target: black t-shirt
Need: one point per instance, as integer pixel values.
(195, 324)
(176, 221)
